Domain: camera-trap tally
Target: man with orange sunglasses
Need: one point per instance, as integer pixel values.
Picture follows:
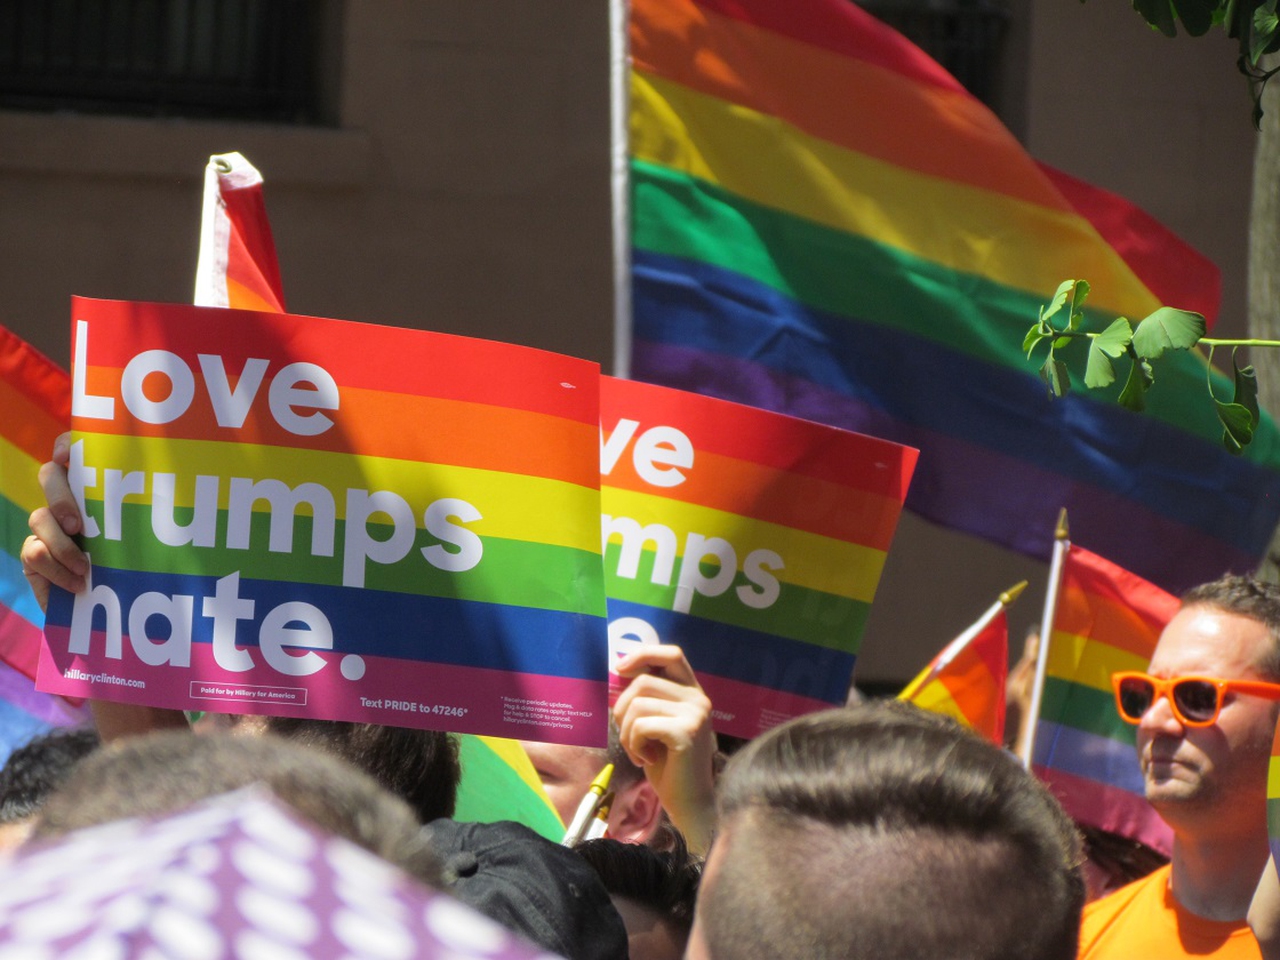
(1205, 712)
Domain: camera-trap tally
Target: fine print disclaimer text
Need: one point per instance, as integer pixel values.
(542, 713)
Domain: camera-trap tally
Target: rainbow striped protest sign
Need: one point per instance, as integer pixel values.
(307, 517)
(753, 540)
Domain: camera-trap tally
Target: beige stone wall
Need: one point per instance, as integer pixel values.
(1166, 123)
(466, 190)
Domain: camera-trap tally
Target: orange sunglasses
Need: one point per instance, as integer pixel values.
(1196, 701)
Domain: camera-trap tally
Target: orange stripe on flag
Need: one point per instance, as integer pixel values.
(970, 685)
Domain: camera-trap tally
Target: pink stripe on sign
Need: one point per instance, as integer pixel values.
(1108, 808)
(741, 709)
(382, 690)
(745, 710)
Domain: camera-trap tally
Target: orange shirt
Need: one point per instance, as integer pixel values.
(1143, 920)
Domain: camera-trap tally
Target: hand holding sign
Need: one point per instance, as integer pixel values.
(664, 724)
(50, 555)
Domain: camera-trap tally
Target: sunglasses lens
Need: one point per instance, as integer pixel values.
(1197, 700)
(1135, 697)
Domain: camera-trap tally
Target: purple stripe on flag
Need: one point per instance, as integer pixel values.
(1088, 755)
(20, 691)
(951, 485)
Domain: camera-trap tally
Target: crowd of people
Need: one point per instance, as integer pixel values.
(875, 830)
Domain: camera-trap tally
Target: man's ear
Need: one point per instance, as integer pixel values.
(636, 813)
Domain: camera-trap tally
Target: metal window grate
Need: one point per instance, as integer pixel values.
(244, 59)
(965, 36)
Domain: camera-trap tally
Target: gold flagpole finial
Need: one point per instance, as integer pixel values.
(1061, 532)
(1012, 593)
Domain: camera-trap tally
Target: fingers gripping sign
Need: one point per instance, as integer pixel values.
(664, 724)
(50, 555)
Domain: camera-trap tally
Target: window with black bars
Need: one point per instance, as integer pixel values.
(231, 59)
(965, 36)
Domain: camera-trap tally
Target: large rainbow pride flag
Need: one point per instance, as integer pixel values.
(318, 518)
(1107, 619)
(35, 400)
(826, 224)
(752, 540)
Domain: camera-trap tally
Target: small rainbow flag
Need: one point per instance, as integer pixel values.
(237, 266)
(311, 517)
(752, 540)
(966, 680)
(1107, 620)
(873, 258)
(35, 400)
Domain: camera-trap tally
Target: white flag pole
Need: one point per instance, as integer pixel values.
(620, 182)
(1061, 544)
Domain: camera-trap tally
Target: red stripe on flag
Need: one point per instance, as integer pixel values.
(842, 28)
(36, 397)
(1178, 274)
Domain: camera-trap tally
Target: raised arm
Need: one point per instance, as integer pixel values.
(664, 724)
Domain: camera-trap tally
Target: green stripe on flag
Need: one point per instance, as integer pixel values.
(512, 572)
(1085, 708)
(683, 216)
(493, 789)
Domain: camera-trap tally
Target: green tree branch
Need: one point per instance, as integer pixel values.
(1061, 323)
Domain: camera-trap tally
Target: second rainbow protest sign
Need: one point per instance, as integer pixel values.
(753, 540)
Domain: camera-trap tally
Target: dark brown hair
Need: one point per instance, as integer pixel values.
(881, 831)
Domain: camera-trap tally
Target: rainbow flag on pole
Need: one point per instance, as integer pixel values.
(1107, 619)
(310, 517)
(35, 401)
(753, 541)
(826, 224)
(966, 680)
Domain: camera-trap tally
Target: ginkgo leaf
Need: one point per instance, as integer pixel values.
(1167, 328)
(1112, 342)
(1055, 376)
(1134, 395)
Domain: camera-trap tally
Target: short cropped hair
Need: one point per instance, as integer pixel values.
(34, 770)
(161, 773)
(883, 832)
(419, 766)
(1245, 597)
